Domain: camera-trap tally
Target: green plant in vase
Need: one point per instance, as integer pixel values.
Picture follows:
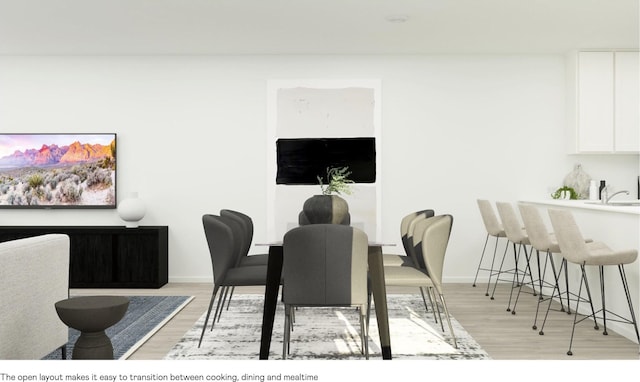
(565, 192)
(329, 207)
(338, 181)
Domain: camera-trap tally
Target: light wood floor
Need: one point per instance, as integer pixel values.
(503, 335)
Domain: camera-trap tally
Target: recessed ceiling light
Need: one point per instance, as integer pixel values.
(397, 19)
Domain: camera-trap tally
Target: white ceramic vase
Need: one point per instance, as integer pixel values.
(131, 210)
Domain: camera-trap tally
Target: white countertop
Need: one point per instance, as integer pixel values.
(588, 204)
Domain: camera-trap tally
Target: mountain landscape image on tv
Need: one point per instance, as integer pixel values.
(58, 170)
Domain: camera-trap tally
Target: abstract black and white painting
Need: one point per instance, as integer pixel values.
(314, 124)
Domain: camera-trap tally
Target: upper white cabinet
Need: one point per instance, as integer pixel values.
(627, 102)
(604, 102)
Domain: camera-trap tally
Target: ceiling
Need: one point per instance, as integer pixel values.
(184, 27)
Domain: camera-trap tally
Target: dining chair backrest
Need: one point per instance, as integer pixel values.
(511, 224)
(246, 221)
(222, 248)
(241, 247)
(414, 241)
(242, 228)
(435, 233)
(570, 239)
(325, 264)
(405, 234)
(536, 229)
(490, 219)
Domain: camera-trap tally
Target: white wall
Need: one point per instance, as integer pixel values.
(191, 136)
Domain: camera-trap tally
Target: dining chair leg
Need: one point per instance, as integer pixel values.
(220, 307)
(426, 307)
(286, 337)
(206, 320)
(230, 295)
(446, 312)
(369, 296)
(361, 334)
(436, 308)
(364, 332)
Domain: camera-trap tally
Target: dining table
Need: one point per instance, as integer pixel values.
(272, 288)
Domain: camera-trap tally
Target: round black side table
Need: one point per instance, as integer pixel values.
(92, 315)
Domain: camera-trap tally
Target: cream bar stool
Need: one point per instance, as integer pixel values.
(494, 229)
(518, 236)
(577, 251)
(545, 242)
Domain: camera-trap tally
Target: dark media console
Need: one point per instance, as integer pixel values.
(109, 256)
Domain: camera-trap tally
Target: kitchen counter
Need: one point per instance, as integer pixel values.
(590, 205)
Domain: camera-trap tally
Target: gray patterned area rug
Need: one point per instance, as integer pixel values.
(327, 333)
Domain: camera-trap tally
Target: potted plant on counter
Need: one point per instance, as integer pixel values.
(329, 207)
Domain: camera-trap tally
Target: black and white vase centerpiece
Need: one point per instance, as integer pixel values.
(328, 208)
(325, 209)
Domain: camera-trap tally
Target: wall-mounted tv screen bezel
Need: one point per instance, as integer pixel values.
(58, 170)
(301, 160)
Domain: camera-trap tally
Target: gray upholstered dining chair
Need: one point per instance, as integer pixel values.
(223, 251)
(243, 235)
(325, 265)
(246, 222)
(433, 233)
(575, 249)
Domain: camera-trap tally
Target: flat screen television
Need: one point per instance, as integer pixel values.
(58, 170)
(301, 160)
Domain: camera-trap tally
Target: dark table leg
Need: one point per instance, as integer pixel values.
(274, 273)
(376, 269)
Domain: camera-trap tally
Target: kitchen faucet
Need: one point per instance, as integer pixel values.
(605, 194)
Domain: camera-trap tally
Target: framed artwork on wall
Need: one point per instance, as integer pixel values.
(314, 124)
(57, 170)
